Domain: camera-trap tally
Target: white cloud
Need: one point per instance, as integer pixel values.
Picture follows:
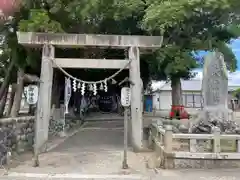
(233, 78)
(157, 84)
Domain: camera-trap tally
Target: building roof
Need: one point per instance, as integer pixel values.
(192, 85)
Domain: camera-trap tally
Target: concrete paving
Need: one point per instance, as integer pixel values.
(95, 152)
(189, 174)
(95, 149)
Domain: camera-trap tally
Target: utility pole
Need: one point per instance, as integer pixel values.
(125, 101)
(124, 164)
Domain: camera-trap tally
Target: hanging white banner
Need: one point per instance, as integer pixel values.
(67, 93)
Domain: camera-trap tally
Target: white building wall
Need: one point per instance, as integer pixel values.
(191, 90)
(165, 100)
(156, 101)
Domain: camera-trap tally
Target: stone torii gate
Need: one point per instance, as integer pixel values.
(48, 41)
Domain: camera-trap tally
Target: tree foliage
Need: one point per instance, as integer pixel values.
(187, 26)
(195, 25)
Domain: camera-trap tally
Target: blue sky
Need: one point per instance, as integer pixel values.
(234, 78)
(235, 45)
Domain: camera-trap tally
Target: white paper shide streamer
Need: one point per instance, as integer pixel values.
(67, 93)
(90, 85)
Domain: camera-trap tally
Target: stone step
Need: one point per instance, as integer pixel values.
(34, 176)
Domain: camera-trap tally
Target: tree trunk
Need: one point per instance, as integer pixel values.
(18, 95)
(6, 79)
(176, 91)
(11, 98)
(3, 102)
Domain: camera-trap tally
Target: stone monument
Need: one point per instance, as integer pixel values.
(215, 87)
(215, 96)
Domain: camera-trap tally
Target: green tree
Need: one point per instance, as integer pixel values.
(18, 58)
(186, 26)
(61, 16)
(189, 26)
(93, 16)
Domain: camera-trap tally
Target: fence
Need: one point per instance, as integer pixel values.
(164, 141)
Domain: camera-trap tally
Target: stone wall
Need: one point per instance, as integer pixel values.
(58, 122)
(205, 163)
(16, 135)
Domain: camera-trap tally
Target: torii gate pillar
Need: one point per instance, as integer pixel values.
(136, 99)
(44, 102)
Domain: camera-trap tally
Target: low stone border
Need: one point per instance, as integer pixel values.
(179, 150)
(16, 135)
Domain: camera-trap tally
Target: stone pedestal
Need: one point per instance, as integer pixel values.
(215, 113)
